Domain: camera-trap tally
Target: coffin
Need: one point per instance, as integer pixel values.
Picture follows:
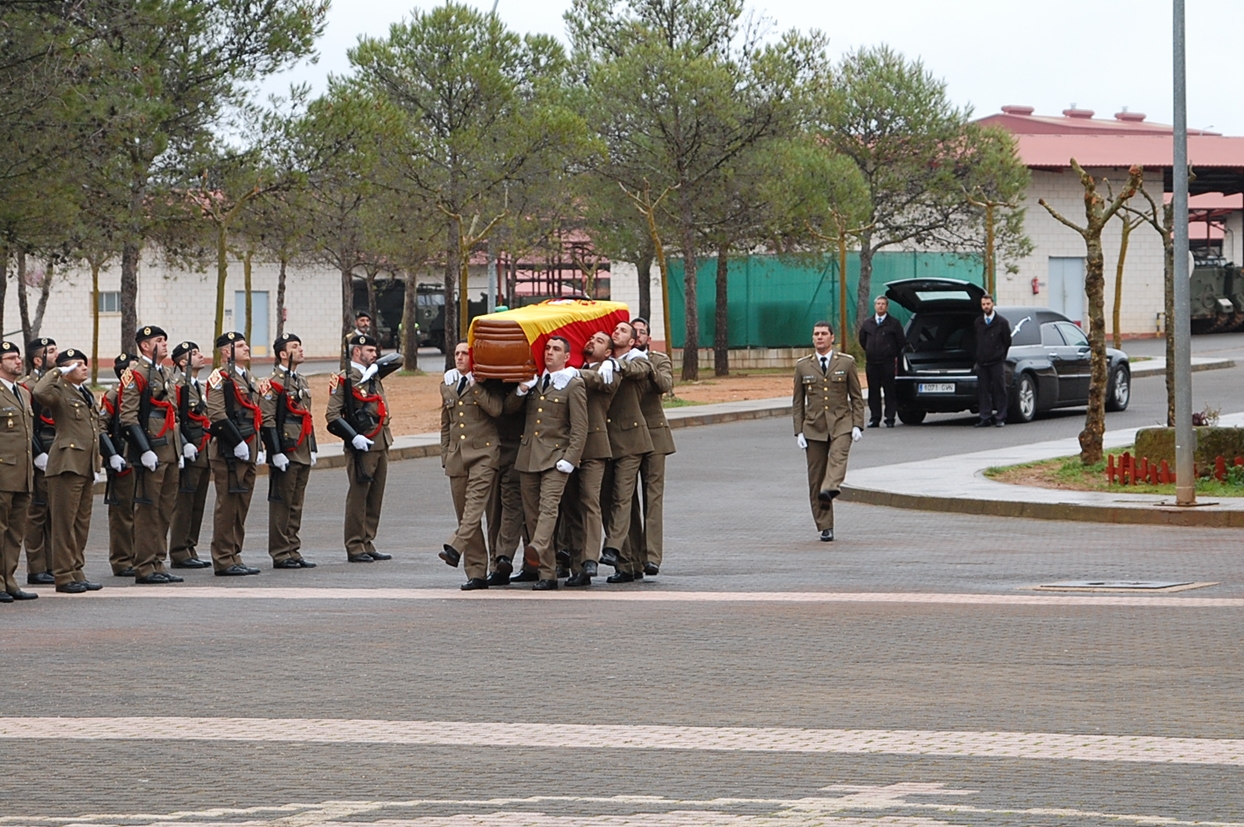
(510, 345)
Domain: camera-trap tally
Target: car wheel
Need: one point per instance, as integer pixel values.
(1024, 400)
(1119, 390)
(910, 417)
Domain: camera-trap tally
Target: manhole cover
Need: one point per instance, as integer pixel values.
(1123, 586)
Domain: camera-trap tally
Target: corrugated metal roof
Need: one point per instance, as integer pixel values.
(1150, 151)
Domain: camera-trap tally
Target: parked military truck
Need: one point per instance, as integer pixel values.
(1216, 295)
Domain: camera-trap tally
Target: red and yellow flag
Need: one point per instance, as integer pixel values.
(575, 319)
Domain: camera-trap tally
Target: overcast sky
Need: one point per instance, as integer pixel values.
(1052, 54)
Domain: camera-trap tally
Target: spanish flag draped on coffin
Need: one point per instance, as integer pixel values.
(510, 345)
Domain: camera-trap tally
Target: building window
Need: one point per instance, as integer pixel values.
(110, 301)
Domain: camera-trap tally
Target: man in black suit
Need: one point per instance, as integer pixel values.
(881, 336)
(993, 340)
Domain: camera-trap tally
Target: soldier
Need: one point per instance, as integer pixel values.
(233, 409)
(289, 432)
(195, 427)
(149, 417)
(469, 447)
(17, 475)
(600, 375)
(38, 538)
(72, 464)
(553, 438)
(362, 327)
(506, 525)
(828, 410)
(119, 495)
(629, 441)
(647, 535)
(359, 415)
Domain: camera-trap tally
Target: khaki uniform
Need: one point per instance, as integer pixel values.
(155, 492)
(16, 477)
(367, 470)
(288, 488)
(629, 441)
(581, 503)
(555, 429)
(469, 448)
(72, 463)
(120, 499)
(234, 478)
(187, 519)
(38, 533)
(825, 406)
(506, 525)
(646, 537)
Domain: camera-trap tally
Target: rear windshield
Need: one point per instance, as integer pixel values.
(1024, 329)
(940, 332)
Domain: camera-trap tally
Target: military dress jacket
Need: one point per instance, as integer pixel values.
(829, 404)
(556, 426)
(660, 382)
(44, 423)
(239, 392)
(469, 426)
(192, 416)
(600, 392)
(369, 398)
(79, 422)
(160, 425)
(292, 392)
(628, 428)
(16, 433)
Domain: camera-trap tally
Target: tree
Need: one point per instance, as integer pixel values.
(1097, 213)
(1163, 222)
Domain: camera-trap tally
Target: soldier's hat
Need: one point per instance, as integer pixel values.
(283, 340)
(149, 331)
(39, 344)
(9, 347)
(70, 355)
(182, 349)
(230, 338)
(122, 362)
(362, 314)
(362, 340)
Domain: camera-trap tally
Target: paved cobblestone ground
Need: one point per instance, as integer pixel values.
(904, 675)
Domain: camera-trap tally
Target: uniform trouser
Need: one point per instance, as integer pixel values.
(13, 508)
(827, 468)
(646, 537)
(542, 494)
(121, 522)
(151, 520)
(506, 526)
(625, 471)
(368, 471)
(69, 503)
(991, 391)
(470, 494)
(229, 519)
(881, 381)
(38, 532)
(285, 517)
(591, 474)
(188, 513)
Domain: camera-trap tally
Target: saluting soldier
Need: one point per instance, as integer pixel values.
(195, 474)
(828, 411)
(38, 538)
(647, 533)
(119, 495)
(73, 461)
(16, 468)
(233, 409)
(358, 414)
(149, 417)
(469, 447)
(289, 432)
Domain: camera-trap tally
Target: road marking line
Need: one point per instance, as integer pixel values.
(1024, 745)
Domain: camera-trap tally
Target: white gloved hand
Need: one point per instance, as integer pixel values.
(606, 369)
(564, 467)
(117, 462)
(41, 461)
(856, 433)
(65, 369)
(262, 458)
(149, 460)
(242, 451)
(190, 451)
(470, 379)
(360, 442)
(280, 461)
(181, 462)
(801, 441)
(525, 387)
(314, 457)
(101, 476)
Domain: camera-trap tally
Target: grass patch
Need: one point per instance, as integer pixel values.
(1068, 473)
(678, 402)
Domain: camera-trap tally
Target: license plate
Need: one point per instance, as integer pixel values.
(937, 387)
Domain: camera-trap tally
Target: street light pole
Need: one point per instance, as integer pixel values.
(1185, 436)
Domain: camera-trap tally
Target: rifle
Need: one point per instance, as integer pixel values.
(183, 419)
(113, 433)
(231, 463)
(144, 417)
(277, 439)
(351, 416)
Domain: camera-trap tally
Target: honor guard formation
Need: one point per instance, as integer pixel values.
(550, 477)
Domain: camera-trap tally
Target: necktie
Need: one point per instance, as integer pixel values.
(824, 365)
(989, 320)
(90, 400)
(461, 385)
(545, 385)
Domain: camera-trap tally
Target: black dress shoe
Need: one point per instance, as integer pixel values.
(191, 563)
(90, 585)
(827, 495)
(890, 424)
(304, 563)
(498, 578)
(609, 557)
(580, 579)
(234, 571)
(827, 535)
(40, 578)
(287, 563)
(156, 578)
(360, 558)
(982, 423)
(21, 595)
(5, 597)
(504, 565)
(589, 568)
(474, 583)
(450, 555)
(525, 576)
(651, 569)
(544, 586)
(73, 587)
(128, 571)
(376, 555)
(251, 569)
(874, 424)
(620, 577)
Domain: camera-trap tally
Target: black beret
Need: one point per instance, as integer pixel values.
(40, 343)
(283, 340)
(230, 338)
(182, 349)
(362, 340)
(70, 355)
(122, 362)
(9, 347)
(362, 314)
(149, 332)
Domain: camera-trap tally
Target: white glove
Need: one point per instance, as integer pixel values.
(242, 451)
(370, 372)
(65, 369)
(262, 458)
(314, 457)
(280, 461)
(181, 462)
(856, 433)
(100, 476)
(41, 461)
(606, 369)
(525, 387)
(190, 451)
(149, 460)
(117, 462)
(360, 442)
(801, 441)
(564, 466)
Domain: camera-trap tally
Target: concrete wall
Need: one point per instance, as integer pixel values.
(624, 287)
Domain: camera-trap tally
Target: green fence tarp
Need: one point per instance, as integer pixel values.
(775, 300)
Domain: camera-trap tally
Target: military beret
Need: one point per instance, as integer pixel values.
(9, 347)
(362, 340)
(283, 340)
(230, 338)
(362, 314)
(70, 355)
(122, 362)
(182, 349)
(149, 332)
(40, 343)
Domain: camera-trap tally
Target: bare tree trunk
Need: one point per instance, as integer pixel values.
(645, 282)
(222, 275)
(347, 306)
(691, 339)
(1094, 288)
(23, 305)
(410, 335)
(451, 291)
(863, 301)
(280, 296)
(95, 268)
(369, 279)
(130, 252)
(4, 284)
(721, 332)
(1117, 335)
(45, 290)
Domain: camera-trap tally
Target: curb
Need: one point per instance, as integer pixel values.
(1140, 371)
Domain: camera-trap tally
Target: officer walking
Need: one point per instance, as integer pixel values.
(38, 537)
(195, 474)
(289, 432)
(233, 409)
(828, 411)
(881, 336)
(17, 477)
